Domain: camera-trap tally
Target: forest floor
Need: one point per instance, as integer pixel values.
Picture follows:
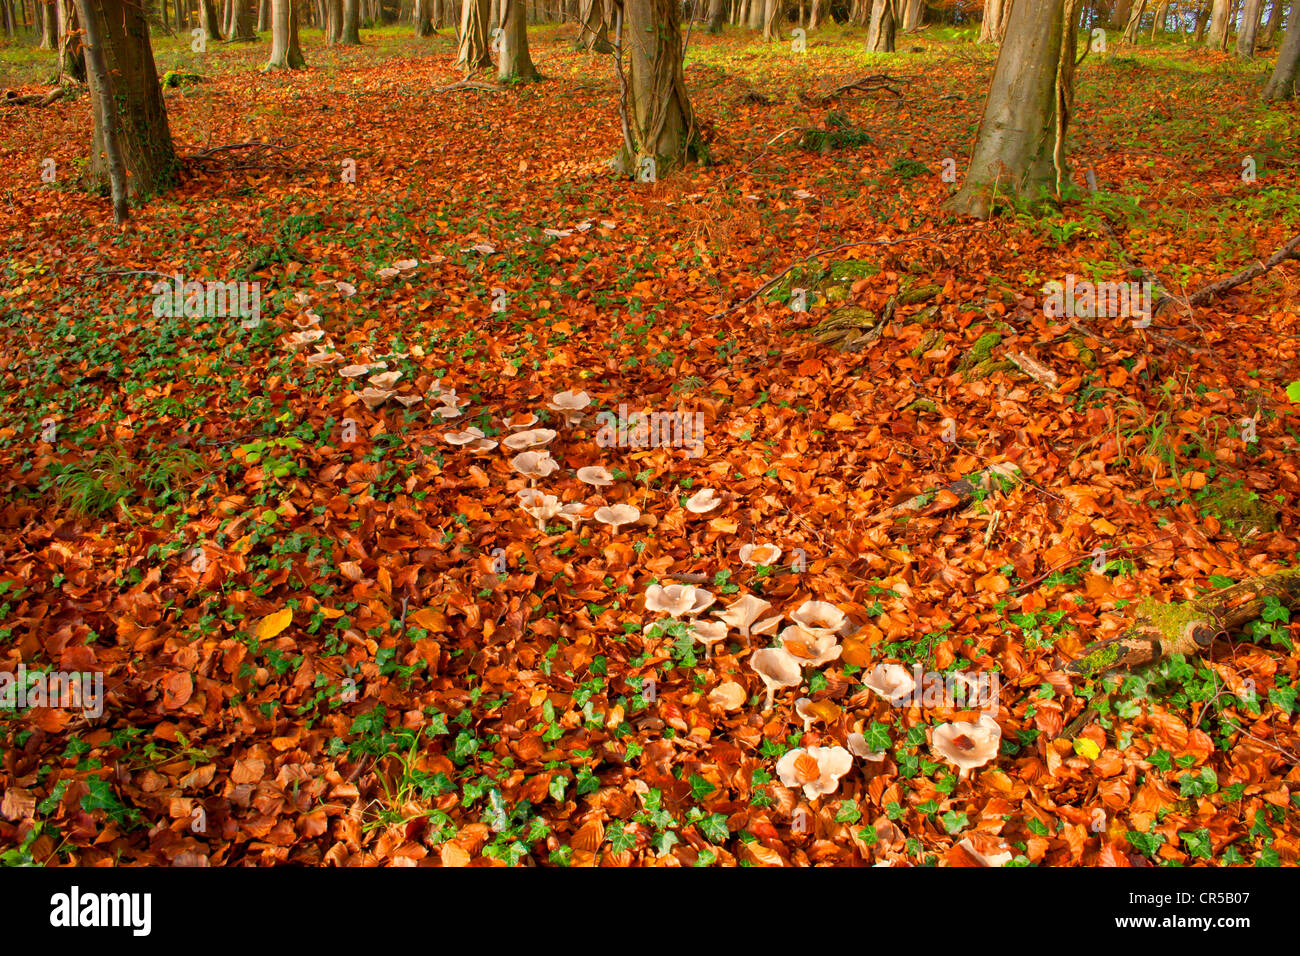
(308, 651)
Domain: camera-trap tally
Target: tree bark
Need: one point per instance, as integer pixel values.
(595, 29)
(1134, 20)
(1281, 85)
(1274, 21)
(913, 14)
(514, 62)
(1019, 150)
(242, 21)
(993, 26)
(131, 147)
(772, 10)
(211, 20)
(880, 35)
(472, 51)
(72, 59)
(286, 54)
(660, 122)
(49, 25)
(422, 18)
(1246, 36)
(263, 16)
(1217, 37)
(717, 13)
(351, 31)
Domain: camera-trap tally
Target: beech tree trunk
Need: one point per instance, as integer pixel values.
(1134, 20)
(1218, 34)
(49, 15)
(1246, 36)
(913, 14)
(1274, 21)
(993, 26)
(717, 13)
(72, 59)
(772, 10)
(350, 34)
(1016, 150)
(242, 20)
(660, 123)
(880, 35)
(1281, 85)
(815, 14)
(263, 16)
(211, 20)
(131, 148)
(472, 51)
(514, 62)
(286, 53)
(595, 29)
(422, 18)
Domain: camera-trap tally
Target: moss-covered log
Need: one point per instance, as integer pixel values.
(1187, 627)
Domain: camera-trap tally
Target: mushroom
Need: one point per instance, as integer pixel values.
(346, 288)
(483, 444)
(542, 508)
(324, 356)
(756, 554)
(468, 436)
(387, 273)
(967, 745)
(676, 599)
(385, 379)
(858, 747)
(816, 769)
(406, 264)
(766, 627)
(728, 696)
(819, 617)
(890, 681)
(570, 404)
(409, 400)
(615, 516)
(354, 371)
(812, 650)
(534, 464)
(990, 856)
(308, 321)
(297, 340)
(533, 438)
(708, 633)
(374, 397)
(743, 613)
(574, 513)
(447, 412)
(777, 669)
(596, 476)
(703, 501)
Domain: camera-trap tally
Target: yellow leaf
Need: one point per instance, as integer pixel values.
(839, 422)
(1086, 748)
(273, 624)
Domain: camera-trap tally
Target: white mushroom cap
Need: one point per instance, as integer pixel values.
(990, 856)
(967, 745)
(534, 464)
(816, 769)
(818, 616)
(385, 379)
(858, 747)
(354, 371)
(574, 513)
(518, 423)
(703, 501)
(812, 650)
(542, 508)
(743, 613)
(756, 554)
(890, 681)
(708, 633)
(616, 515)
(677, 599)
(596, 476)
(468, 436)
(767, 626)
(374, 397)
(533, 438)
(777, 669)
(570, 404)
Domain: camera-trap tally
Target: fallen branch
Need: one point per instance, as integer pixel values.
(1288, 250)
(955, 494)
(14, 98)
(867, 84)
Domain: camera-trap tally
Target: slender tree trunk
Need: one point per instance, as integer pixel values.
(72, 59)
(991, 26)
(514, 62)
(131, 144)
(422, 17)
(211, 20)
(755, 14)
(815, 14)
(1119, 14)
(717, 13)
(1246, 36)
(913, 14)
(595, 30)
(772, 10)
(49, 25)
(1020, 144)
(880, 36)
(660, 122)
(1162, 14)
(286, 53)
(1134, 20)
(1218, 35)
(242, 20)
(472, 52)
(1281, 85)
(1274, 21)
(263, 16)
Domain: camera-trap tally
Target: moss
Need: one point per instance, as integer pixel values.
(850, 270)
(1103, 658)
(1087, 357)
(931, 340)
(1169, 619)
(919, 294)
(979, 361)
(1239, 509)
(923, 405)
(988, 367)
